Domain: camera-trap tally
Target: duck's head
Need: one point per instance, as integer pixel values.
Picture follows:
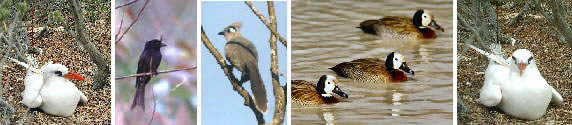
(425, 19)
(51, 70)
(328, 85)
(522, 59)
(396, 61)
(231, 31)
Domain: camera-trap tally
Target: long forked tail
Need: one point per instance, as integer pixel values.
(492, 56)
(139, 99)
(257, 86)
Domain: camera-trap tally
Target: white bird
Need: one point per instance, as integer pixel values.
(518, 89)
(33, 83)
(59, 95)
(50, 88)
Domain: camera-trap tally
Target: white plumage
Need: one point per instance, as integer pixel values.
(518, 89)
(49, 89)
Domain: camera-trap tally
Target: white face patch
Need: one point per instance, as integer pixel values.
(522, 56)
(398, 59)
(232, 30)
(330, 85)
(426, 19)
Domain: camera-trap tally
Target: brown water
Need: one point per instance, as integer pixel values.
(324, 34)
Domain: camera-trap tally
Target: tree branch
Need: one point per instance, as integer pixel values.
(132, 23)
(103, 71)
(126, 4)
(280, 100)
(150, 73)
(233, 81)
(263, 19)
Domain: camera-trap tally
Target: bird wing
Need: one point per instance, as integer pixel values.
(243, 42)
(556, 97)
(490, 94)
(305, 93)
(33, 83)
(242, 54)
(496, 75)
(82, 97)
(144, 66)
(399, 24)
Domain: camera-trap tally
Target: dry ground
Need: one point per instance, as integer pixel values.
(554, 60)
(60, 47)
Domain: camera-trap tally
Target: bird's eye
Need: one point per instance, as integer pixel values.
(424, 16)
(530, 59)
(396, 59)
(59, 73)
(231, 30)
(328, 83)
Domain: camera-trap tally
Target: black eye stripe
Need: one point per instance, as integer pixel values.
(530, 59)
(59, 73)
(513, 58)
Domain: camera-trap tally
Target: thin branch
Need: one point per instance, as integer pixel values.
(126, 4)
(133, 23)
(154, 106)
(150, 73)
(280, 101)
(233, 81)
(263, 19)
(120, 24)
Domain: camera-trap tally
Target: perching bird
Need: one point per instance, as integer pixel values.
(516, 86)
(242, 55)
(418, 27)
(307, 93)
(148, 62)
(393, 69)
(52, 91)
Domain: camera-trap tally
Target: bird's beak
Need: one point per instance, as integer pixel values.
(339, 91)
(163, 44)
(436, 26)
(406, 68)
(72, 75)
(221, 33)
(522, 68)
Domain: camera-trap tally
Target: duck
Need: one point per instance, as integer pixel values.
(307, 93)
(516, 86)
(421, 26)
(393, 69)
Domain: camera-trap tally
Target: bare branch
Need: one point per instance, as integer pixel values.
(126, 4)
(263, 19)
(132, 23)
(103, 71)
(150, 73)
(278, 91)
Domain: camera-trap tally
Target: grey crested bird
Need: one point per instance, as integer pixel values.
(242, 55)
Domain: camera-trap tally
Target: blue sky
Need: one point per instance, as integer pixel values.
(220, 103)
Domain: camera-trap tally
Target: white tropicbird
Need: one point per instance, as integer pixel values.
(50, 88)
(518, 89)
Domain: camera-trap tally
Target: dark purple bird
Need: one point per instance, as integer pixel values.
(148, 62)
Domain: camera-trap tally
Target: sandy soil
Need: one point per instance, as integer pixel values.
(60, 47)
(554, 60)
